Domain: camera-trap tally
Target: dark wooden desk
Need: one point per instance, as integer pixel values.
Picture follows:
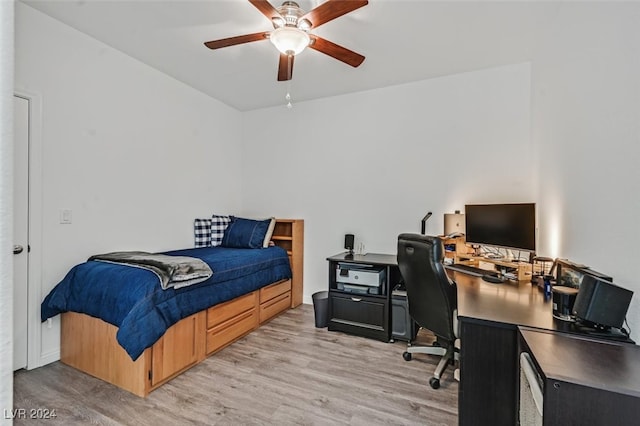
(489, 317)
(585, 381)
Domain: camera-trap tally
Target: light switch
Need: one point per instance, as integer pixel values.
(65, 216)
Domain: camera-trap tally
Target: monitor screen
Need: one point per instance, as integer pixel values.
(502, 225)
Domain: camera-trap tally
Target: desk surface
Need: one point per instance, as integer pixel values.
(506, 303)
(370, 258)
(596, 364)
(510, 304)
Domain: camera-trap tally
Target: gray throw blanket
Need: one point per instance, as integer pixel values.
(173, 271)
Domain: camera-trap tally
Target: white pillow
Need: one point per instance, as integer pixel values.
(267, 236)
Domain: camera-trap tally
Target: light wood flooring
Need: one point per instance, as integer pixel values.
(286, 373)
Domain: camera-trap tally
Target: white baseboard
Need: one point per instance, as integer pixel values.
(48, 358)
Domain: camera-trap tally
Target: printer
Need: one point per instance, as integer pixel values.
(360, 278)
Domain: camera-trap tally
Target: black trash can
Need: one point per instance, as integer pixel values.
(321, 308)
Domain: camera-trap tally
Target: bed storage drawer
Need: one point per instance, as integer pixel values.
(225, 311)
(274, 306)
(227, 332)
(274, 290)
(229, 321)
(274, 299)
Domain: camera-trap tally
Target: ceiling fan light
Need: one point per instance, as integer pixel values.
(304, 24)
(277, 22)
(289, 40)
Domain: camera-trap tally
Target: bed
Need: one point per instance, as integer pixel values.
(119, 325)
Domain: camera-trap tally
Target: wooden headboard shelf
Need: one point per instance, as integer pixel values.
(289, 234)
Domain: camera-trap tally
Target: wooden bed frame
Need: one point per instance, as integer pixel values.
(89, 344)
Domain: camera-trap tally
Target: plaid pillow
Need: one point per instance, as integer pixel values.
(202, 231)
(219, 224)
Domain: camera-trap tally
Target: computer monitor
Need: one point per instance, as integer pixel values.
(571, 274)
(510, 226)
(601, 304)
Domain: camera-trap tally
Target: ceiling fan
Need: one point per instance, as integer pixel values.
(291, 34)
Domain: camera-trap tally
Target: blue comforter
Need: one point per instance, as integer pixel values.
(133, 300)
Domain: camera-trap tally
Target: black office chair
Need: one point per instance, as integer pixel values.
(431, 295)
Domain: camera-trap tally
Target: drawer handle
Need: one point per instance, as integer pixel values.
(356, 299)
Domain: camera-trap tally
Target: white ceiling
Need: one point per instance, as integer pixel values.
(402, 41)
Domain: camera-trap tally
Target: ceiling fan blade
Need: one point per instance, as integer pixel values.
(285, 67)
(232, 41)
(340, 53)
(332, 9)
(266, 9)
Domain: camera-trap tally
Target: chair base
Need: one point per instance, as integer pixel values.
(448, 356)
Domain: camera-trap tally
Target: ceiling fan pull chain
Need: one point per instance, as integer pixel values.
(288, 99)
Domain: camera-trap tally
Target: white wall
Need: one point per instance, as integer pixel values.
(135, 154)
(562, 131)
(373, 163)
(586, 123)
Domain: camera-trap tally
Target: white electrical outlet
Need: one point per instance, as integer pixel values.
(65, 216)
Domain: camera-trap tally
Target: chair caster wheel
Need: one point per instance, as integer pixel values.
(406, 356)
(435, 383)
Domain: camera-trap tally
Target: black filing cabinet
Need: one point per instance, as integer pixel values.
(360, 294)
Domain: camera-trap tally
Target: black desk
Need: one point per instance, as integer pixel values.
(489, 317)
(585, 381)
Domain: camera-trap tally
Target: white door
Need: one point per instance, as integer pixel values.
(20, 230)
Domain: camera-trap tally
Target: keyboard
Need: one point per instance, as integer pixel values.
(492, 279)
(470, 270)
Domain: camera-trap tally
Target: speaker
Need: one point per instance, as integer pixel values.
(601, 303)
(348, 241)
